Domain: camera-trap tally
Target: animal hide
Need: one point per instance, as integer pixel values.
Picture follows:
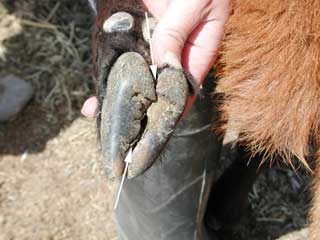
(270, 76)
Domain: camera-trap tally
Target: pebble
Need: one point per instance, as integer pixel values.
(67, 172)
(15, 93)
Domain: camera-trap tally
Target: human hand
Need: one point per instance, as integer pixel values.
(189, 34)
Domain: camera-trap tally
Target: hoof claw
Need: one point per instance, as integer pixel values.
(119, 22)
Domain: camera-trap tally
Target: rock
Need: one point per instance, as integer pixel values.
(15, 93)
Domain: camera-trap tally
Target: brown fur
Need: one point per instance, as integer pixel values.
(270, 75)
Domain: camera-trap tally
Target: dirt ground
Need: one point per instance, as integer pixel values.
(51, 180)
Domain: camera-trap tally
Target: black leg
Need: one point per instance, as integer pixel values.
(229, 196)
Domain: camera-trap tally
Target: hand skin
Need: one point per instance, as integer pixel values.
(189, 33)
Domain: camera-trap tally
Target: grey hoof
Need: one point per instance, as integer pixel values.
(14, 95)
(129, 93)
(119, 22)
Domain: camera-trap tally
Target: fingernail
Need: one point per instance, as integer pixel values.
(173, 60)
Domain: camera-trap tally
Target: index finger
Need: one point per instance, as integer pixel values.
(157, 8)
(201, 49)
(174, 28)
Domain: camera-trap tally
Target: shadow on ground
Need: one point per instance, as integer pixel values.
(30, 131)
(48, 44)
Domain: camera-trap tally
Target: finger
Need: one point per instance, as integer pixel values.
(201, 49)
(89, 108)
(157, 8)
(169, 38)
(190, 102)
(200, 53)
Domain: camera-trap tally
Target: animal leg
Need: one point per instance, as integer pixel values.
(229, 196)
(135, 111)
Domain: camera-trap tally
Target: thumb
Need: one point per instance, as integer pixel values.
(174, 28)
